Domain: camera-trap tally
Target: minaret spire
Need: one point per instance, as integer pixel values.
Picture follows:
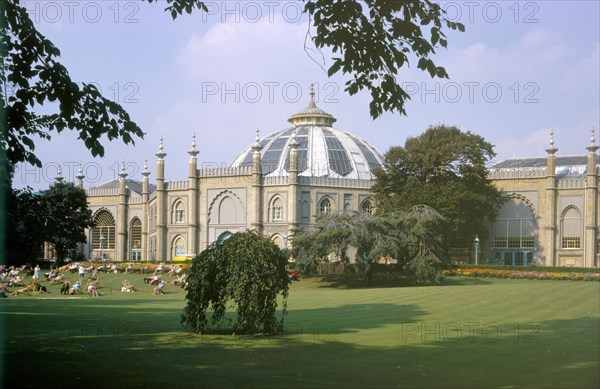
(593, 147)
(551, 149)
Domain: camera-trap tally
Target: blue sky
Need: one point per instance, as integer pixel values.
(520, 69)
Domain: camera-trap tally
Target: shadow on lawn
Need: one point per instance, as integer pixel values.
(553, 354)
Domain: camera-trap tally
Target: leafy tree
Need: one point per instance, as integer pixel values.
(247, 269)
(444, 168)
(32, 78)
(24, 232)
(400, 235)
(370, 40)
(66, 216)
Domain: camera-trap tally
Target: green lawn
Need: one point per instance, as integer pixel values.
(479, 333)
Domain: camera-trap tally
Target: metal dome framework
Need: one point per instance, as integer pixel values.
(322, 149)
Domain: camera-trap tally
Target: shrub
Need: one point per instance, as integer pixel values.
(247, 269)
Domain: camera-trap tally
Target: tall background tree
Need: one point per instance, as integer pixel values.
(444, 168)
(66, 216)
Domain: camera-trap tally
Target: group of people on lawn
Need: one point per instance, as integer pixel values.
(13, 277)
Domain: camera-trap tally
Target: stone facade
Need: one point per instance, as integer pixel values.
(551, 216)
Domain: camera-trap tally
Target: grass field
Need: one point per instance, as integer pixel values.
(467, 333)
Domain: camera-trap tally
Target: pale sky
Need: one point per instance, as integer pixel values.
(520, 70)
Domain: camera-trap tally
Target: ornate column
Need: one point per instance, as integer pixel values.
(550, 228)
(256, 217)
(591, 206)
(193, 211)
(161, 205)
(292, 208)
(121, 243)
(145, 196)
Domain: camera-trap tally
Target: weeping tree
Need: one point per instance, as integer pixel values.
(409, 237)
(248, 270)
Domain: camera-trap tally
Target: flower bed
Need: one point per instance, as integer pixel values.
(522, 274)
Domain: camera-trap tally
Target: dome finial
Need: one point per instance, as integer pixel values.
(80, 176)
(123, 173)
(551, 149)
(59, 176)
(145, 173)
(161, 154)
(256, 146)
(312, 104)
(193, 152)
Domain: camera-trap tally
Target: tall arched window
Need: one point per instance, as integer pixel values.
(178, 212)
(571, 229)
(104, 227)
(277, 209)
(305, 211)
(135, 239)
(325, 206)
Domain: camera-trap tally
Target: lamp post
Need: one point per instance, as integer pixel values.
(476, 244)
(102, 239)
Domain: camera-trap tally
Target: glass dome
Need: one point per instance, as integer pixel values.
(322, 151)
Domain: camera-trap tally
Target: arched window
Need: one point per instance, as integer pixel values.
(277, 209)
(227, 211)
(223, 237)
(178, 248)
(279, 241)
(571, 229)
(105, 228)
(367, 207)
(135, 239)
(178, 212)
(305, 211)
(325, 206)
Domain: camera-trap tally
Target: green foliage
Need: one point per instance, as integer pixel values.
(246, 269)
(445, 169)
(427, 268)
(31, 72)
(25, 234)
(66, 216)
(398, 235)
(371, 40)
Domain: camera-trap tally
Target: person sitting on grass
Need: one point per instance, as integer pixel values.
(76, 288)
(159, 289)
(127, 287)
(15, 281)
(129, 268)
(66, 286)
(91, 289)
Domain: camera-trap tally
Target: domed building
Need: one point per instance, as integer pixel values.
(276, 184)
(284, 180)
